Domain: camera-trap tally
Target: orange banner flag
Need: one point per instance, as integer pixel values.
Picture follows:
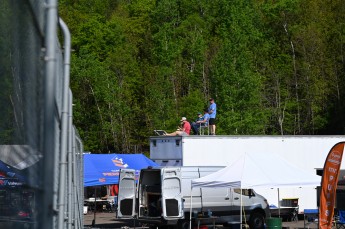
(329, 185)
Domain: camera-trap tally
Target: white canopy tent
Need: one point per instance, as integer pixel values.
(258, 171)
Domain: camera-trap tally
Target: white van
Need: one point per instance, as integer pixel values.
(162, 197)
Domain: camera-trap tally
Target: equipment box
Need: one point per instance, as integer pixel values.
(290, 202)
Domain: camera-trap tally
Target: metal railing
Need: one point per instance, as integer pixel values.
(41, 161)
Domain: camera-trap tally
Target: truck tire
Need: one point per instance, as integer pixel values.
(257, 221)
(183, 224)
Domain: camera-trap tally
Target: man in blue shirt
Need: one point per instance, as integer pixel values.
(195, 125)
(203, 121)
(212, 110)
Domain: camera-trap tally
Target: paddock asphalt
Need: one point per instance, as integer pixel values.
(108, 220)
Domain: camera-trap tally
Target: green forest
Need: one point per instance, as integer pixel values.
(274, 67)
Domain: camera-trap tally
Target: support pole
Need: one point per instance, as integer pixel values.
(50, 41)
(64, 125)
(94, 210)
(278, 203)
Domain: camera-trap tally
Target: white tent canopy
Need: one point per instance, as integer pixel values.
(258, 171)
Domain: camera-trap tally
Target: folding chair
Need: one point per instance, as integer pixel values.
(340, 220)
(160, 132)
(294, 214)
(202, 129)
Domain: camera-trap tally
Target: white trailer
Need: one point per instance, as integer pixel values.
(308, 152)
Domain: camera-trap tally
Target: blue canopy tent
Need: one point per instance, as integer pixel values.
(9, 176)
(103, 169)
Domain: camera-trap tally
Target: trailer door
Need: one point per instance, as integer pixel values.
(171, 193)
(126, 195)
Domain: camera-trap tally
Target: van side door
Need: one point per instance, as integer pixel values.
(217, 200)
(248, 198)
(172, 203)
(126, 195)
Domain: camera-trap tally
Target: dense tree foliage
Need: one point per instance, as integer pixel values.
(273, 67)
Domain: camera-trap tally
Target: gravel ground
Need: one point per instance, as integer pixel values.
(108, 220)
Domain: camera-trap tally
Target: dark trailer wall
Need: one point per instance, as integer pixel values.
(37, 137)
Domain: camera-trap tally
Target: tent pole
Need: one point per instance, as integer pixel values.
(190, 209)
(278, 203)
(241, 210)
(94, 211)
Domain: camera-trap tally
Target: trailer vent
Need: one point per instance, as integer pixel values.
(177, 142)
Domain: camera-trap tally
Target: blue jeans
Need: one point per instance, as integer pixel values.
(196, 126)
